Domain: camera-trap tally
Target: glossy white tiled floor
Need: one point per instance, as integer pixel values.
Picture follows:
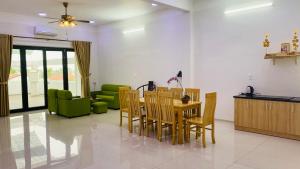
(38, 140)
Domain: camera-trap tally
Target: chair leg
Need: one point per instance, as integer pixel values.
(213, 133)
(203, 136)
(121, 120)
(160, 132)
(188, 130)
(130, 125)
(173, 133)
(147, 127)
(141, 125)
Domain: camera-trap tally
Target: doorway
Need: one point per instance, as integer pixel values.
(34, 70)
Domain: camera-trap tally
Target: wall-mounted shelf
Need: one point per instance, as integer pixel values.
(275, 56)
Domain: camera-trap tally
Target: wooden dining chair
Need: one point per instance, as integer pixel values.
(194, 95)
(152, 112)
(124, 102)
(177, 93)
(135, 111)
(207, 119)
(162, 89)
(167, 114)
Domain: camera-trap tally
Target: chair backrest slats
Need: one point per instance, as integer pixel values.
(177, 93)
(134, 103)
(193, 93)
(162, 89)
(166, 107)
(210, 107)
(123, 97)
(151, 105)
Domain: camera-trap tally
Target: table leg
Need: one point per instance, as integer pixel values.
(180, 126)
(198, 129)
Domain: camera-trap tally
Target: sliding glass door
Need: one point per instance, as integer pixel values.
(34, 70)
(35, 78)
(14, 82)
(55, 69)
(74, 77)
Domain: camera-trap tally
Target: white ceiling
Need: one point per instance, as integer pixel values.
(101, 11)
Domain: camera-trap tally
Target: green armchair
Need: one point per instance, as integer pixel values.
(52, 100)
(110, 94)
(70, 107)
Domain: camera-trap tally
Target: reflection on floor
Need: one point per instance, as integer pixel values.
(38, 140)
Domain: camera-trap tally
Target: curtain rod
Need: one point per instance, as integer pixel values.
(25, 37)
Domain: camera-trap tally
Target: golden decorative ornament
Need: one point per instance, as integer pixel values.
(266, 42)
(295, 41)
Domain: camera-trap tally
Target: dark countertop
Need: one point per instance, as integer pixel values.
(270, 98)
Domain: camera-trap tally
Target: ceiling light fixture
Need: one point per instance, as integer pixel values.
(42, 14)
(134, 30)
(153, 4)
(65, 23)
(249, 8)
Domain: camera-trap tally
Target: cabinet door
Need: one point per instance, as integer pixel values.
(260, 115)
(243, 112)
(279, 116)
(295, 119)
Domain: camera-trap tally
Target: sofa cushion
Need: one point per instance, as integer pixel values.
(64, 94)
(110, 87)
(108, 93)
(105, 98)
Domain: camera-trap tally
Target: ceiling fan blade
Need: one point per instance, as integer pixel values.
(54, 22)
(83, 21)
(51, 18)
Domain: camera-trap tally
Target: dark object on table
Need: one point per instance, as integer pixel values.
(185, 99)
(151, 86)
(250, 91)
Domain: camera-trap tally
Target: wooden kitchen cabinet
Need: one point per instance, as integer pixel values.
(277, 118)
(295, 119)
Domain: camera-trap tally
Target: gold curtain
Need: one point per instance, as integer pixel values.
(83, 52)
(5, 63)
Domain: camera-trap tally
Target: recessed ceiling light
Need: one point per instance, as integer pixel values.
(42, 14)
(92, 22)
(153, 4)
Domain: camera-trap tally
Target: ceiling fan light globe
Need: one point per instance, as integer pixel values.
(61, 23)
(66, 23)
(73, 24)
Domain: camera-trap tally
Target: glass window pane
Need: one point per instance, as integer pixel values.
(73, 75)
(55, 70)
(35, 78)
(14, 82)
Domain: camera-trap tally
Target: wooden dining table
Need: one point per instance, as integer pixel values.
(180, 108)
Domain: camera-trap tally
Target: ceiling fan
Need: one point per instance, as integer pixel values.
(68, 20)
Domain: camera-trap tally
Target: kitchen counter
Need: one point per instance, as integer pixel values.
(270, 115)
(270, 98)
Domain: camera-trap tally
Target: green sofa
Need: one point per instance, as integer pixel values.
(110, 94)
(52, 100)
(70, 107)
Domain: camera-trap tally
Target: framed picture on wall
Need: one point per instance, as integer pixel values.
(285, 48)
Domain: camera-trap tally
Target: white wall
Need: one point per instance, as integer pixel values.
(24, 26)
(229, 48)
(155, 54)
